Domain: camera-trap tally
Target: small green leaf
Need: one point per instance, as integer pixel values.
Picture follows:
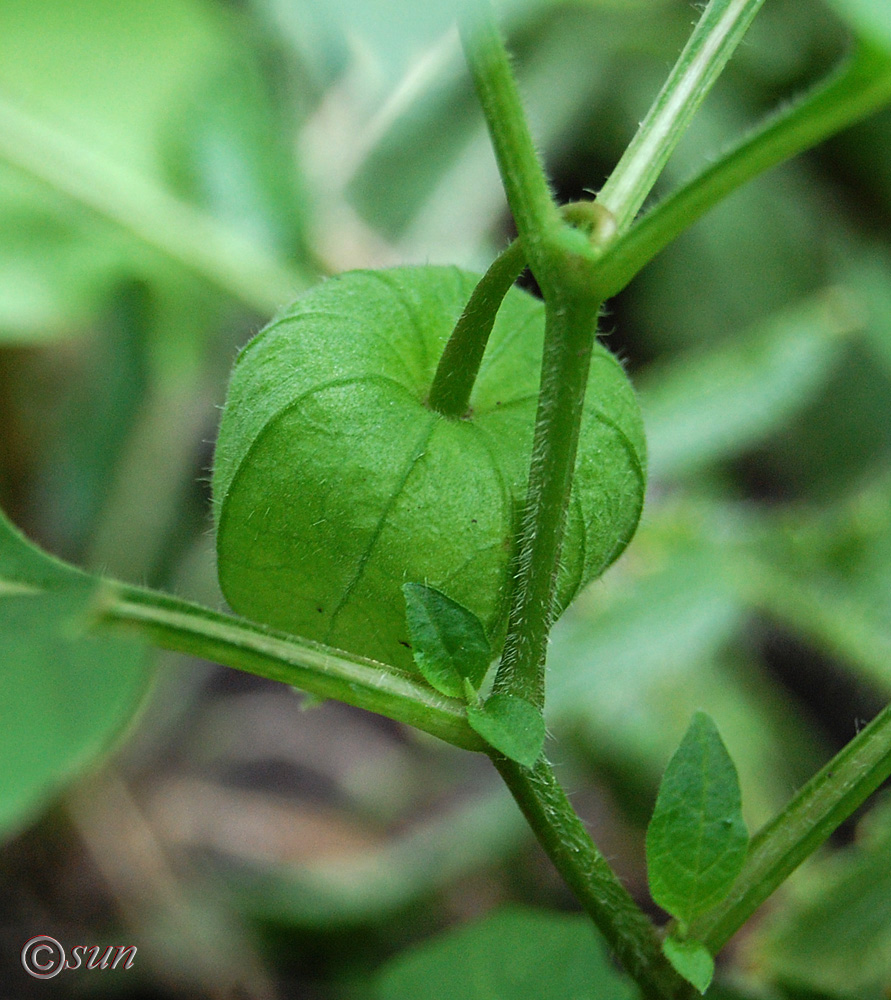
(511, 725)
(692, 960)
(696, 840)
(449, 642)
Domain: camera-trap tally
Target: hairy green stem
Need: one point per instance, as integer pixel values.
(561, 833)
(528, 194)
(562, 260)
(570, 328)
(717, 34)
(460, 362)
(858, 88)
(807, 821)
(178, 231)
(319, 670)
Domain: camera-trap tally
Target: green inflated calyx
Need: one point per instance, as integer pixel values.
(335, 482)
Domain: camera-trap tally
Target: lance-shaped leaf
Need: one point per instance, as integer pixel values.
(696, 840)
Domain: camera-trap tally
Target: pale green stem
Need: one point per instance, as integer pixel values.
(319, 670)
(528, 194)
(720, 29)
(858, 88)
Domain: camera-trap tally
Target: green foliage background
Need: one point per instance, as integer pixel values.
(171, 172)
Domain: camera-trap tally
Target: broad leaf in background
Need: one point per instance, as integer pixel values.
(513, 954)
(449, 643)
(64, 694)
(869, 19)
(111, 76)
(26, 569)
(510, 724)
(696, 840)
(716, 404)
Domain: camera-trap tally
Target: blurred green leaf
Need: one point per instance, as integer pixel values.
(513, 954)
(55, 262)
(97, 418)
(24, 568)
(868, 274)
(827, 576)
(696, 840)
(230, 148)
(834, 939)
(109, 78)
(658, 638)
(714, 404)
(65, 694)
(870, 19)
(834, 440)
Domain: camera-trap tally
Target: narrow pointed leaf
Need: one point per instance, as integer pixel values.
(697, 840)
